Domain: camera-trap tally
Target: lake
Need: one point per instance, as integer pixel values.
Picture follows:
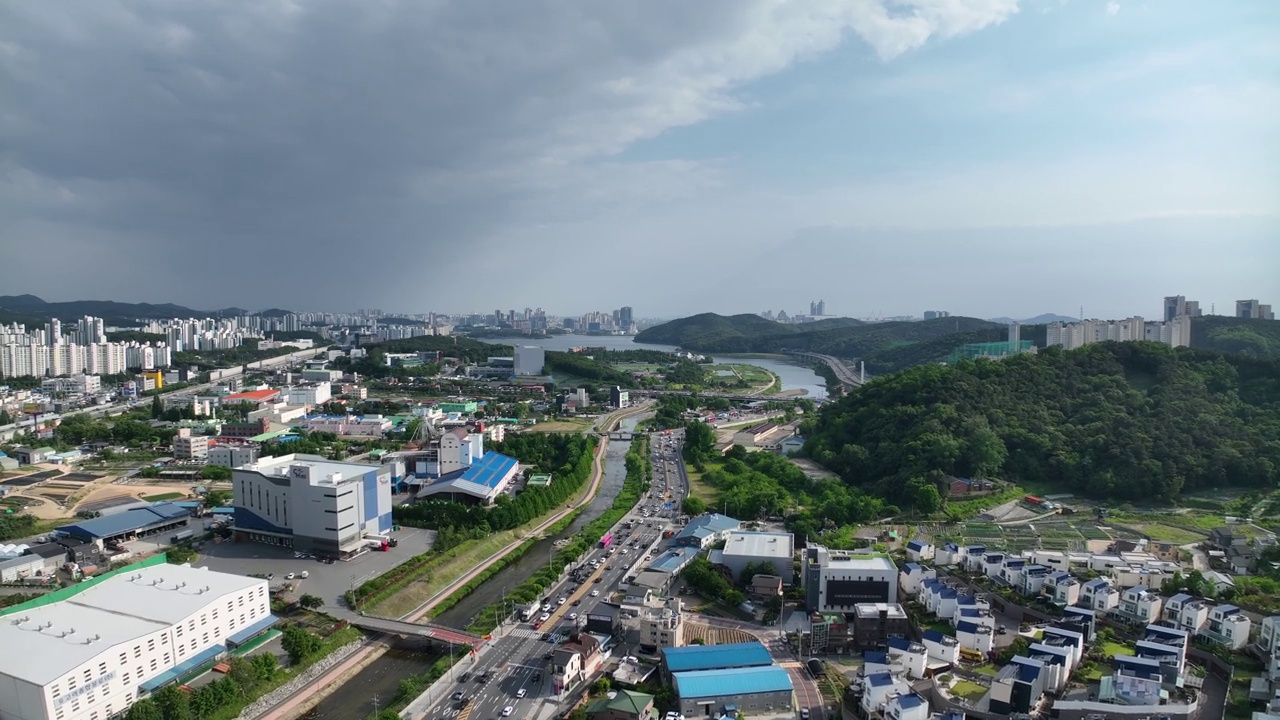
(793, 376)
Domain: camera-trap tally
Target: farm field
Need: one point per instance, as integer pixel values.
(1056, 533)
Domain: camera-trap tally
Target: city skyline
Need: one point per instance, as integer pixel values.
(709, 157)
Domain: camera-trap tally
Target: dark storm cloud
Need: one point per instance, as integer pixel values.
(278, 141)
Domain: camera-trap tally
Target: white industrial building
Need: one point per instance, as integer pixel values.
(230, 456)
(90, 656)
(529, 360)
(370, 426)
(187, 446)
(743, 548)
(837, 580)
(312, 394)
(311, 504)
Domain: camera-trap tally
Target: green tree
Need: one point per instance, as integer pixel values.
(693, 506)
(299, 643)
(602, 686)
(173, 703)
(157, 407)
(311, 602)
(5, 417)
(144, 709)
(697, 641)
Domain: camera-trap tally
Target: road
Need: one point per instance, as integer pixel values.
(842, 371)
(335, 675)
(519, 657)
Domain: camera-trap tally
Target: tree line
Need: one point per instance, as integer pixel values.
(568, 458)
(1136, 421)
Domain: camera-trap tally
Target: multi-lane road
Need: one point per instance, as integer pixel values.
(515, 671)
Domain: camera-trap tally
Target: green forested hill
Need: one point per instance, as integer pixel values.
(1136, 421)
(885, 347)
(1244, 336)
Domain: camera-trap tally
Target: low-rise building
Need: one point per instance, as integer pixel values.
(1099, 594)
(1168, 646)
(662, 625)
(744, 548)
(974, 636)
(1033, 577)
(837, 581)
(906, 706)
(623, 705)
(910, 656)
(1268, 646)
(912, 575)
(231, 456)
(764, 588)
(942, 648)
(1228, 626)
(874, 624)
(878, 689)
(948, 554)
(1062, 588)
(919, 550)
(364, 426)
(1018, 686)
(1140, 605)
(752, 690)
(575, 661)
(1186, 612)
(705, 530)
(187, 446)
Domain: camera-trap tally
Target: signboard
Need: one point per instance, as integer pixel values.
(299, 472)
(90, 686)
(851, 592)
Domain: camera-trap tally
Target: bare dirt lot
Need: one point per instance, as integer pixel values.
(80, 490)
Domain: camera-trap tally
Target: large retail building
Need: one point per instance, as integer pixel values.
(311, 504)
(90, 653)
(840, 580)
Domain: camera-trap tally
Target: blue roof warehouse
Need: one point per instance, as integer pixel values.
(134, 523)
(715, 679)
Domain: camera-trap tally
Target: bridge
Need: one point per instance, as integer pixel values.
(770, 398)
(842, 372)
(447, 636)
(621, 435)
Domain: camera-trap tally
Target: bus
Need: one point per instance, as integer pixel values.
(607, 540)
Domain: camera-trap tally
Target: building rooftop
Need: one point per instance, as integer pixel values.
(735, 681)
(861, 562)
(715, 657)
(251, 396)
(624, 701)
(490, 470)
(673, 561)
(759, 544)
(708, 524)
(321, 470)
(118, 524)
(873, 610)
(917, 545)
(40, 644)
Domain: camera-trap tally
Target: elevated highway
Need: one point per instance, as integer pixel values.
(843, 373)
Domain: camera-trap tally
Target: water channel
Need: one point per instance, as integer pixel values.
(792, 375)
(408, 657)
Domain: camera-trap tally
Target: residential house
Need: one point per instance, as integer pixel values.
(908, 706)
(1222, 582)
(973, 556)
(942, 648)
(969, 604)
(1186, 612)
(992, 563)
(974, 636)
(1082, 620)
(1062, 588)
(919, 550)
(912, 575)
(1228, 626)
(1017, 687)
(910, 656)
(1072, 640)
(1056, 664)
(878, 688)
(957, 486)
(874, 624)
(1240, 547)
(1168, 646)
(1140, 605)
(948, 554)
(1011, 571)
(1099, 594)
(623, 705)
(1268, 645)
(575, 661)
(765, 587)
(1033, 577)
(1129, 576)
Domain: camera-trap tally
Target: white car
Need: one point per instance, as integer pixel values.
(545, 617)
(573, 616)
(595, 593)
(560, 601)
(506, 711)
(290, 576)
(520, 693)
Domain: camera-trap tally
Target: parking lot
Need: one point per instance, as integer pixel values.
(328, 582)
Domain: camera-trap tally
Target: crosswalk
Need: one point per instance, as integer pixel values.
(536, 635)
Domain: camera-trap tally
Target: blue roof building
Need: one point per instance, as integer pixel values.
(754, 689)
(482, 482)
(715, 657)
(705, 530)
(137, 521)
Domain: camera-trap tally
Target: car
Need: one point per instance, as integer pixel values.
(457, 696)
(546, 608)
(506, 711)
(548, 656)
(561, 601)
(595, 593)
(576, 603)
(304, 574)
(537, 677)
(271, 576)
(544, 617)
(573, 616)
(464, 677)
(521, 693)
(804, 713)
(290, 576)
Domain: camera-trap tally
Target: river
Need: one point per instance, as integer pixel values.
(792, 375)
(409, 657)
(380, 680)
(491, 590)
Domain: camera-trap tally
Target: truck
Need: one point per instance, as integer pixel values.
(607, 540)
(530, 612)
(377, 545)
(184, 535)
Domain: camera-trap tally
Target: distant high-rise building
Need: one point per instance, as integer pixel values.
(813, 308)
(1175, 332)
(1253, 309)
(624, 317)
(822, 308)
(1015, 332)
(935, 314)
(1175, 305)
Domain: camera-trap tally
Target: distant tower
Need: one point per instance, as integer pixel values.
(822, 308)
(1015, 333)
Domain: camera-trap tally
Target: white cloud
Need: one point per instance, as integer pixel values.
(1113, 8)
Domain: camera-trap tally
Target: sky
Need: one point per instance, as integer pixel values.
(985, 157)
